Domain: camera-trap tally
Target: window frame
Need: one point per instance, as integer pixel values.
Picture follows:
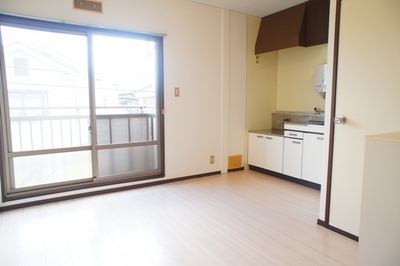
(87, 31)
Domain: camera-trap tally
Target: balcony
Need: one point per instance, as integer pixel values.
(73, 129)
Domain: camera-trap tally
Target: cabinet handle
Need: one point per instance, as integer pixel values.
(269, 138)
(320, 138)
(260, 137)
(292, 134)
(296, 142)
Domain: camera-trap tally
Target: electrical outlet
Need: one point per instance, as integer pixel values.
(212, 159)
(177, 92)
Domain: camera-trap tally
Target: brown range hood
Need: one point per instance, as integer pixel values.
(282, 30)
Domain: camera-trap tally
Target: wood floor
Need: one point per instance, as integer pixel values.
(240, 218)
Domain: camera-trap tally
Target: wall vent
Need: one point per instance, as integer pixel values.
(89, 5)
(234, 162)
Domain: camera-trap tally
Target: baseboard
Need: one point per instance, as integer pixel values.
(236, 169)
(322, 223)
(286, 177)
(99, 192)
(337, 230)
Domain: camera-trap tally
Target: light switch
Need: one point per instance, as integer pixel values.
(176, 91)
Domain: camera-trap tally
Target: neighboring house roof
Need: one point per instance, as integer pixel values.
(43, 58)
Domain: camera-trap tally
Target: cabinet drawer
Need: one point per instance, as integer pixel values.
(294, 134)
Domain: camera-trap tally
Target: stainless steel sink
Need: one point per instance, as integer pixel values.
(312, 122)
(281, 118)
(316, 119)
(304, 127)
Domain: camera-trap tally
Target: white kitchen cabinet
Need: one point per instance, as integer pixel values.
(273, 153)
(256, 149)
(313, 157)
(292, 157)
(266, 151)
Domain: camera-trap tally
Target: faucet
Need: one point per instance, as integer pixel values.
(285, 120)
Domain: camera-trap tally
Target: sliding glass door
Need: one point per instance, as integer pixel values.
(125, 92)
(46, 96)
(78, 105)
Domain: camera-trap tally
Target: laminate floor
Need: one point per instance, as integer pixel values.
(239, 218)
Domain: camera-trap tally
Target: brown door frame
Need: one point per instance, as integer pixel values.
(326, 223)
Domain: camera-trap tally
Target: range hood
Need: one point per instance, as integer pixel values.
(282, 30)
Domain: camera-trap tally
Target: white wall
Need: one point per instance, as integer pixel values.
(237, 85)
(201, 56)
(261, 81)
(368, 95)
(296, 78)
(380, 216)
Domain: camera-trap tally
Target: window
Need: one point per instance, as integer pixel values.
(79, 104)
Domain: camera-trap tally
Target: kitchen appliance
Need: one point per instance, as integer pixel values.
(299, 147)
(320, 78)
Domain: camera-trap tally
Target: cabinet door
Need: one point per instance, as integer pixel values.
(292, 157)
(317, 22)
(313, 160)
(256, 149)
(273, 153)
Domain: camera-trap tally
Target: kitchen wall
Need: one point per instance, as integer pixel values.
(296, 78)
(282, 80)
(204, 55)
(261, 93)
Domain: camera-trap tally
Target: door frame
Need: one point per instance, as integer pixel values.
(326, 222)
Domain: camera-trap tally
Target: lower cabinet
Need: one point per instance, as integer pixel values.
(313, 157)
(273, 153)
(292, 157)
(266, 151)
(256, 150)
(299, 158)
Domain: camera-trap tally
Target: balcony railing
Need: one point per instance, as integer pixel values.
(50, 130)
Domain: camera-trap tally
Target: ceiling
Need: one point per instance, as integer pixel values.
(258, 8)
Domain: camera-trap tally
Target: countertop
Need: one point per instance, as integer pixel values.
(305, 127)
(275, 132)
(388, 137)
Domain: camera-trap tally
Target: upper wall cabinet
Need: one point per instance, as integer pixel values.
(317, 22)
(282, 30)
(306, 24)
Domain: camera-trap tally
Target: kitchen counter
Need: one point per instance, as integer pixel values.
(388, 137)
(305, 127)
(380, 202)
(275, 132)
